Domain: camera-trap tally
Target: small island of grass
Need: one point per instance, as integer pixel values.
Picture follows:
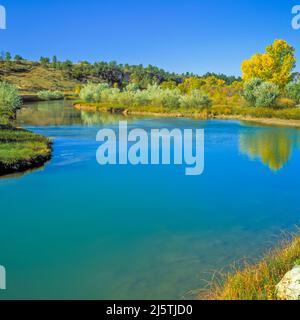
(20, 150)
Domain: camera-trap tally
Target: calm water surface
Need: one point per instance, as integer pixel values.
(80, 231)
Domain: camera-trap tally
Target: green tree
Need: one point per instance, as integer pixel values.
(10, 101)
(54, 62)
(18, 57)
(7, 56)
(44, 61)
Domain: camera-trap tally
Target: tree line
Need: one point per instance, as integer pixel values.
(115, 74)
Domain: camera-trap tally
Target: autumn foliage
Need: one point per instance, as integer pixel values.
(275, 65)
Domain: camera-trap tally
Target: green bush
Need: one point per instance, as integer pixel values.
(142, 98)
(10, 101)
(266, 94)
(293, 91)
(125, 98)
(249, 90)
(50, 95)
(153, 95)
(297, 262)
(260, 94)
(93, 92)
(196, 99)
(132, 87)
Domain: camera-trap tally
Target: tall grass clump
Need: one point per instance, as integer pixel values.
(48, 95)
(258, 281)
(10, 101)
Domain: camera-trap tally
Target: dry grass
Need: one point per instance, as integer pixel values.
(258, 281)
(31, 78)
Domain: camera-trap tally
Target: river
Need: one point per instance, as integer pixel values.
(78, 230)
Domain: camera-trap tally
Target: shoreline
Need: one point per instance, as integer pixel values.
(24, 165)
(259, 280)
(203, 116)
(38, 151)
(33, 97)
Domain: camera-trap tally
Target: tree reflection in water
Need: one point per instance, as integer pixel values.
(62, 113)
(272, 146)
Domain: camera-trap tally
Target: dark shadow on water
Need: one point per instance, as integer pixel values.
(18, 175)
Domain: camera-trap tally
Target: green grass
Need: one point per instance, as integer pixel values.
(21, 150)
(205, 112)
(256, 112)
(258, 281)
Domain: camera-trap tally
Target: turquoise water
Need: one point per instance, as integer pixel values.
(75, 230)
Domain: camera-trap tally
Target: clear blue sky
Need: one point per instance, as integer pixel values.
(178, 35)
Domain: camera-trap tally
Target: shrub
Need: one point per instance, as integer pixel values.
(266, 94)
(109, 95)
(169, 85)
(260, 94)
(50, 95)
(196, 99)
(132, 87)
(171, 98)
(293, 91)
(153, 95)
(142, 98)
(10, 101)
(249, 90)
(285, 103)
(92, 92)
(125, 98)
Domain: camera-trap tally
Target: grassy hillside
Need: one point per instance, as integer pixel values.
(31, 77)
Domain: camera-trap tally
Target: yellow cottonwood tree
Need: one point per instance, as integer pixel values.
(190, 84)
(276, 65)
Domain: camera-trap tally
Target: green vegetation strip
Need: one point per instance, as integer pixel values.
(216, 111)
(21, 150)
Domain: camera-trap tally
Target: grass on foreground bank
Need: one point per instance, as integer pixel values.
(21, 150)
(256, 282)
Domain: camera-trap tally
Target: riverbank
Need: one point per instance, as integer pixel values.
(34, 97)
(258, 281)
(265, 116)
(21, 150)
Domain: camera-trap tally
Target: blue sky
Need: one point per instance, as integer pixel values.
(178, 35)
